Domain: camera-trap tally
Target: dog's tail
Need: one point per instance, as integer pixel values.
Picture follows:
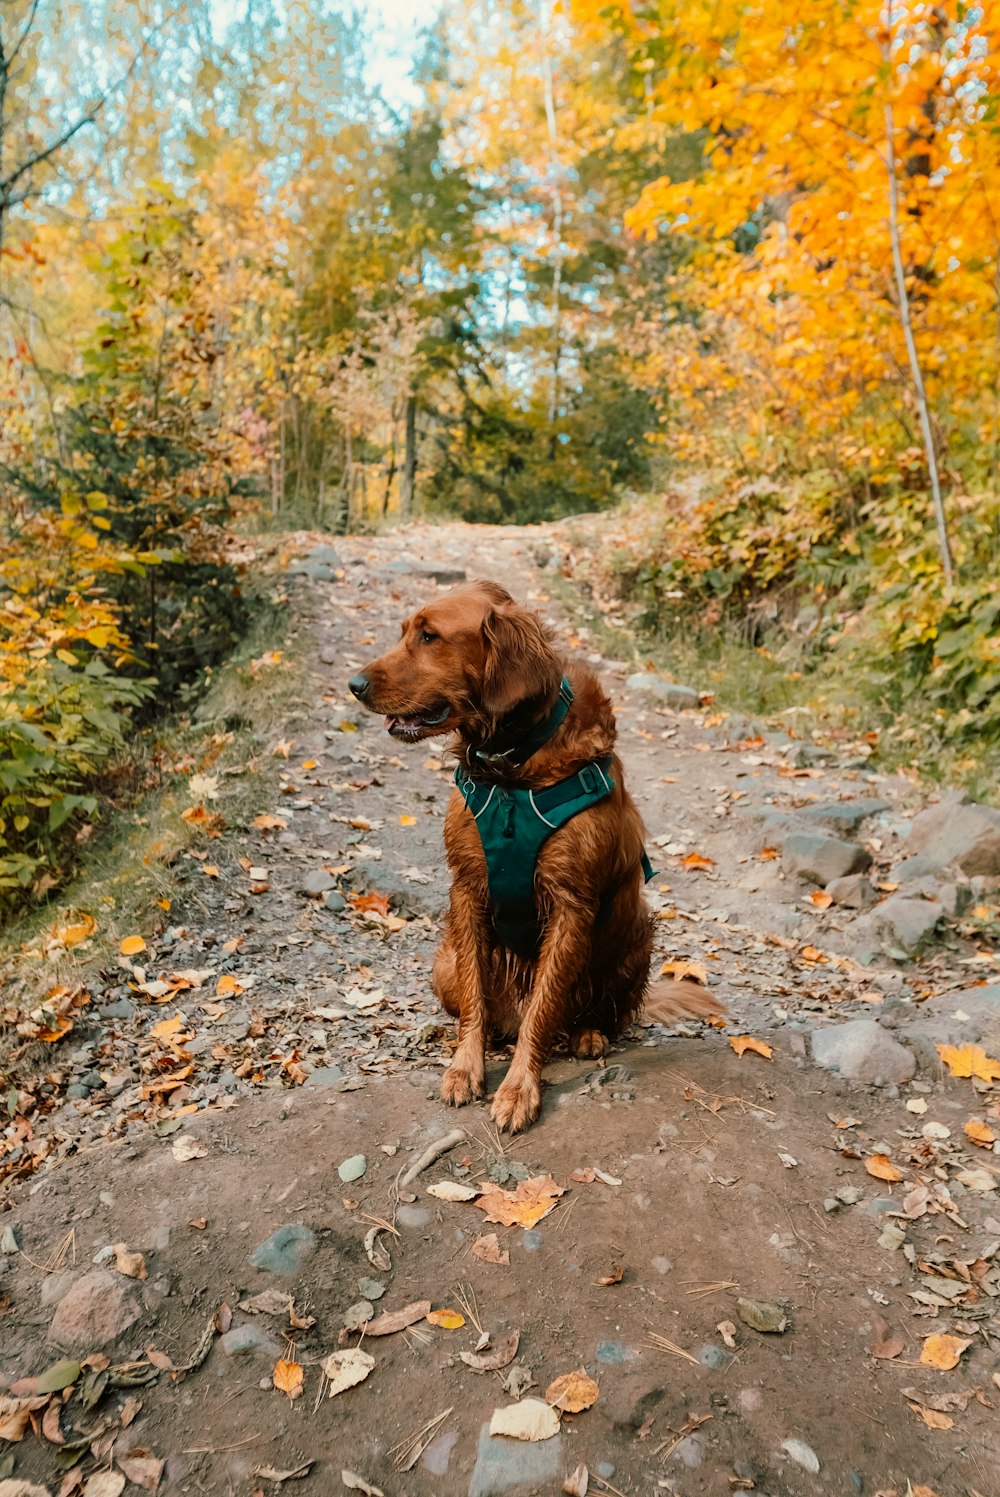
(666, 1002)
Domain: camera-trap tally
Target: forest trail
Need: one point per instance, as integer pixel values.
(708, 1197)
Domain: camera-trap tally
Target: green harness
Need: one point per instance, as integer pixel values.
(514, 824)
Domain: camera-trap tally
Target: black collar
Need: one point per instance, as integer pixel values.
(530, 742)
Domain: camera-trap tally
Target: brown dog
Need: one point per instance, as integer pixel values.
(572, 958)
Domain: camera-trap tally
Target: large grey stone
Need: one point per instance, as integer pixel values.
(317, 881)
(861, 1050)
(820, 858)
(906, 922)
(853, 892)
(917, 868)
(771, 826)
(671, 693)
(95, 1310)
(431, 570)
(959, 831)
(285, 1251)
(843, 815)
(505, 1465)
(248, 1340)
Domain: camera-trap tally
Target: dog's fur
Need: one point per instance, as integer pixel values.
(476, 664)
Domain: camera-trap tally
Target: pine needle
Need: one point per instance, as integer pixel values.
(661, 1343)
(408, 1452)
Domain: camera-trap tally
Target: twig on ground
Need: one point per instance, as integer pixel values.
(433, 1151)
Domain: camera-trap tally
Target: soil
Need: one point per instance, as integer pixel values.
(718, 1175)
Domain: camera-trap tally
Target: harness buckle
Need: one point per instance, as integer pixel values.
(588, 779)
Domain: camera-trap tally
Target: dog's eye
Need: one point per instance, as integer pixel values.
(427, 637)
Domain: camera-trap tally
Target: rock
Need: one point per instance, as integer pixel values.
(432, 571)
(412, 1216)
(438, 1453)
(670, 693)
(843, 815)
(325, 1076)
(504, 1465)
(353, 1168)
(317, 570)
(917, 868)
(690, 1452)
(285, 1251)
(95, 1310)
(900, 926)
(820, 858)
(713, 1357)
(853, 892)
(317, 881)
(861, 1050)
(614, 1353)
(958, 830)
(244, 1340)
(325, 554)
(335, 901)
(772, 826)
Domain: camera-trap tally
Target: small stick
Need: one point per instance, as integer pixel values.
(432, 1152)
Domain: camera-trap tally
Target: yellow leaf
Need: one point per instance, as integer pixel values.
(288, 1378)
(72, 935)
(60, 1026)
(309, 763)
(882, 1167)
(813, 954)
(210, 870)
(164, 904)
(227, 986)
(969, 1060)
(66, 656)
(266, 823)
(820, 899)
(132, 945)
(523, 1207)
(694, 862)
(407, 821)
(943, 1352)
(448, 1320)
(741, 1043)
(681, 970)
(572, 1392)
(980, 1133)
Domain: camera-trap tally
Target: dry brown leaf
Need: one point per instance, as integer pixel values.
(491, 1361)
(142, 1467)
(358, 1484)
(398, 1320)
(345, 1369)
(613, 1276)
(531, 1419)
(932, 1418)
(266, 823)
(969, 1060)
(452, 1190)
(980, 1133)
(577, 1482)
(132, 1265)
(288, 1378)
(488, 1250)
(572, 1392)
(679, 971)
(891, 1347)
(820, 899)
(695, 862)
(814, 955)
(369, 904)
(523, 1207)
(446, 1320)
(943, 1352)
(741, 1043)
(882, 1167)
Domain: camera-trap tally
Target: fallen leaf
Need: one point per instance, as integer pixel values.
(447, 1320)
(980, 1133)
(352, 1479)
(491, 1361)
(882, 1168)
(60, 1375)
(577, 1482)
(743, 1042)
(288, 1378)
(132, 945)
(15, 1415)
(694, 862)
(679, 971)
(373, 904)
(271, 1473)
(488, 1250)
(523, 1207)
(977, 1179)
(969, 1060)
(184, 1147)
(814, 955)
(141, 1467)
(727, 1331)
(345, 1369)
(104, 1484)
(398, 1320)
(820, 899)
(614, 1276)
(531, 1419)
(917, 1105)
(407, 821)
(572, 1392)
(72, 935)
(266, 823)
(932, 1418)
(452, 1190)
(59, 1027)
(893, 1346)
(227, 986)
(268, 1302)
(943, 1352)
(132, 1265)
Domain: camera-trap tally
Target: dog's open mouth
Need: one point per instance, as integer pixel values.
(416, 725)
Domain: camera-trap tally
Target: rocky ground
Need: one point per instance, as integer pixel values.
(767, 1253)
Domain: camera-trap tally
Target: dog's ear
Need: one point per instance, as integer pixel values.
(520, 664)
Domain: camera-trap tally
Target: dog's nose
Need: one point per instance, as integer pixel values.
(360, 685)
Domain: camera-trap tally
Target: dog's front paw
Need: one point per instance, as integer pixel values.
(588, 1044)
(459, 1086)
(517, 1103)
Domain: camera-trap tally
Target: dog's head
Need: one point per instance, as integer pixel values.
(464, 662)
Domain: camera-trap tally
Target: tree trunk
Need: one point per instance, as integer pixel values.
(408, 487)
(916, 372)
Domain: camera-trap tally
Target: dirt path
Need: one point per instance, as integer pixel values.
(271, 1067)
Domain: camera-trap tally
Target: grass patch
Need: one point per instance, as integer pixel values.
(221, 756)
